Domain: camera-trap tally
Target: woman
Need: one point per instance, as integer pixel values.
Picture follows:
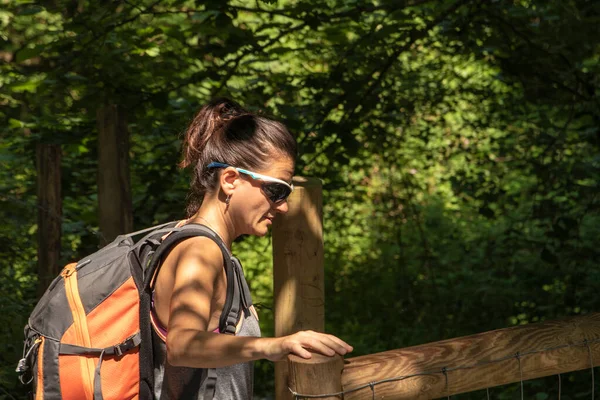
(242, 168)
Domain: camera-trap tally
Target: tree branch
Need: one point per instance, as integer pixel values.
(252, 49)
(539, 48)
(414, 36)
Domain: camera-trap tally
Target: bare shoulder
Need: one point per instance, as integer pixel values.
(197, 273)
(198, 252)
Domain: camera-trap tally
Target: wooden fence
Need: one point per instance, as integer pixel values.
(455, 366)
(427, 371)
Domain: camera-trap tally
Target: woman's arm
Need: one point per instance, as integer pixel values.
(198, 271)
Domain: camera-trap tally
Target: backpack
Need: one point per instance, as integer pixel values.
(89, 336)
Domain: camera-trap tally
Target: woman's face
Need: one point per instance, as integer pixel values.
(254, 211)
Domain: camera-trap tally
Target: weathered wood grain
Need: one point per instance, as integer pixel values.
(298, 269)
(479, 361)
(306, 376)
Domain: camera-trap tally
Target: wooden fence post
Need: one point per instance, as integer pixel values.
(298, 269)
(318, 375)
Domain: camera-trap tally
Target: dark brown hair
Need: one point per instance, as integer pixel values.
(223, 131)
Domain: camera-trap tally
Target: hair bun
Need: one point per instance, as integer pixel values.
(208, 123)
(226, 109)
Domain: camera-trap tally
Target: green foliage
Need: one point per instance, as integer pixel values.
(458, 142)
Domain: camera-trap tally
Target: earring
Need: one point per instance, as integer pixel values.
(228, 199)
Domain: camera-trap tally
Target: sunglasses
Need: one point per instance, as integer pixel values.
(275, 189)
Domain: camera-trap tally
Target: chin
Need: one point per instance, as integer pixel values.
(261, 229)
(261, 232)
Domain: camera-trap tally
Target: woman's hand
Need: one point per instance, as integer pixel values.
(300, 343)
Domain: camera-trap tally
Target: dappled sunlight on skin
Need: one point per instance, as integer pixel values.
(186, 312)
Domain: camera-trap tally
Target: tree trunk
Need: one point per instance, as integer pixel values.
(114, 192)
(49, 213)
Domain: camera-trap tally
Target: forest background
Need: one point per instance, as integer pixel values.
(457, 140)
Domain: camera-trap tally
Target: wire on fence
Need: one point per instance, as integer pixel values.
(591, 365)
(445, 371)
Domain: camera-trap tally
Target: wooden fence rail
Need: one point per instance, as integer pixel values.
(455, 366)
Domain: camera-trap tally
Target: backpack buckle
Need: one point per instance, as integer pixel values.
(22, 366)
(118, 350)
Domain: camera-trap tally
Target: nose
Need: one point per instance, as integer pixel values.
(282, 207)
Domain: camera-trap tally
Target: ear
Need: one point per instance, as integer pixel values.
(229, 180)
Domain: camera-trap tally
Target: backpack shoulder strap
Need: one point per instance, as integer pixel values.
(232, 308)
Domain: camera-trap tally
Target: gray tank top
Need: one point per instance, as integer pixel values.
(233, 382)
